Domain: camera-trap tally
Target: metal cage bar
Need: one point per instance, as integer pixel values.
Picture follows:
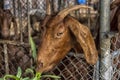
(105, 56)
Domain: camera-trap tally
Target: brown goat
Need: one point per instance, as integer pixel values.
(63, 33)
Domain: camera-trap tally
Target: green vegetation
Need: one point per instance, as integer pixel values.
(35, 76)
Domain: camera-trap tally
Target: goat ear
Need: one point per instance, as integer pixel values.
(47, 18)
(84, 38)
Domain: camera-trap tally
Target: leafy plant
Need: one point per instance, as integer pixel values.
(33, 48)
(36, 76)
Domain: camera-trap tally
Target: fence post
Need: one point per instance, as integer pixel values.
(105, 56)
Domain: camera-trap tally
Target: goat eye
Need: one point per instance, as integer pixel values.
(58, 34)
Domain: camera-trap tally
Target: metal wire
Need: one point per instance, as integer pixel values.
(73, 66)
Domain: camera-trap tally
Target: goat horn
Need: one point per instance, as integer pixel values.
(61, 15)
(48, 7)
(66, 11)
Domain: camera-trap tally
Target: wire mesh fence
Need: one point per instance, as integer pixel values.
(16, 52)
(115, 52)
(74, 68)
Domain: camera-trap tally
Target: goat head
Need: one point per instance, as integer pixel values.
(62, 34)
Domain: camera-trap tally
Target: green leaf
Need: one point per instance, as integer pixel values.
(1, 78)
(37, 76)
(33, 47)
(29, 70)
(51, 76)
(26, 78)
(19, 72)
(11, 76)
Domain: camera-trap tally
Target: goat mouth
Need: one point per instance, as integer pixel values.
(44, 69)
(40, 65)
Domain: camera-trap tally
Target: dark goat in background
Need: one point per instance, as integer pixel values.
(115, 23)
(6, 19)
(115, 15)
(63, 33)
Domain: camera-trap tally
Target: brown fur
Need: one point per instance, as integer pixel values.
(114, 4)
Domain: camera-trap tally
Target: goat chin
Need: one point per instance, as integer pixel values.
(45, 69)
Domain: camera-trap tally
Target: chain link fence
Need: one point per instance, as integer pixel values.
(115, 53)
(16, 52)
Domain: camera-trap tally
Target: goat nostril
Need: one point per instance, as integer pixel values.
(40, 64)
